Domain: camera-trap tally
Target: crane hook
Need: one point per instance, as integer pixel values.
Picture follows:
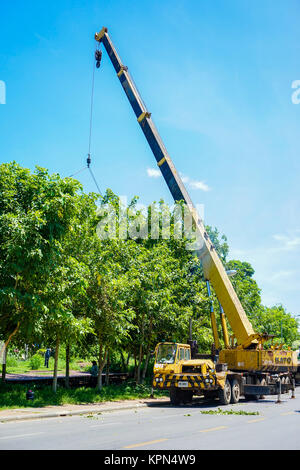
(98, 57)
(88, 160)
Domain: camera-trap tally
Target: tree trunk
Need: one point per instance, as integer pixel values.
(3, 375)
(135, 367)
(99, 379)
(148, 350)
(141, 350)
(101, 364)
(67, 380)
(107, 370)
(138, 378)
(123, 361)
(54, 384)
(127, 361)
(146, 364)
(4, 348)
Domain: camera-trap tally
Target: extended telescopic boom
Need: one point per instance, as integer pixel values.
(213, 269)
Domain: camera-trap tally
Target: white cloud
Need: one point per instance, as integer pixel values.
(185, 179)
(153, 173)
(194, 184)
(288, 242)
(199, 185)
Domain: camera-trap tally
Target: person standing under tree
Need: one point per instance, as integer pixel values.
(47, 357)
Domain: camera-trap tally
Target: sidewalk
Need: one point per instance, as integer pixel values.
(19, 414)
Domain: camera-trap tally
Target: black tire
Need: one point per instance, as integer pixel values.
(210, 395)
(175, 396)
(186, 396)
(225, 394)
(235, 391)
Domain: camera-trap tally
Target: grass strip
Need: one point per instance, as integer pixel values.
(14, 395)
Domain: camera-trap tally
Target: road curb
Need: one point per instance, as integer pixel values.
(62, 413)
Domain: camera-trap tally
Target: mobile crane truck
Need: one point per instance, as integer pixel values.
(242, 367)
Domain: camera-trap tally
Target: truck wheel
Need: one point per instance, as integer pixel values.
(175, 397)
(225, 394)
(210, 395)
(186, 396)
(235, 391)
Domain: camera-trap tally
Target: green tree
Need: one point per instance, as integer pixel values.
(36, 211)
(245, 286)
(45, 223)
(278, 322)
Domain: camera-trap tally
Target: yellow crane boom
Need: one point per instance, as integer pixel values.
(213, 268)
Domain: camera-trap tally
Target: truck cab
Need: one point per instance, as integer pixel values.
(174, 370)
(168, 357)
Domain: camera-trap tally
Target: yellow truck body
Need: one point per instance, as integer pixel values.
(259, 360)
(236, 372)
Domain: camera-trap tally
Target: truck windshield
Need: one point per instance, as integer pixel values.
(166, 353)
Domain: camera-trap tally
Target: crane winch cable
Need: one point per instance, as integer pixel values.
(79, 171)
(91, 117)
(98, 56)
(95, 181)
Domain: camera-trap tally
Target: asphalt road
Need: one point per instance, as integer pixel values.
(165, 427)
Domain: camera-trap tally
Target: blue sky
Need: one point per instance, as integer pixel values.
(217, 77)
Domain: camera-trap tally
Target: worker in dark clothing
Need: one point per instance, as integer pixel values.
(47, 357)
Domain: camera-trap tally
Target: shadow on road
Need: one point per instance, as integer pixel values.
(199, 403)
